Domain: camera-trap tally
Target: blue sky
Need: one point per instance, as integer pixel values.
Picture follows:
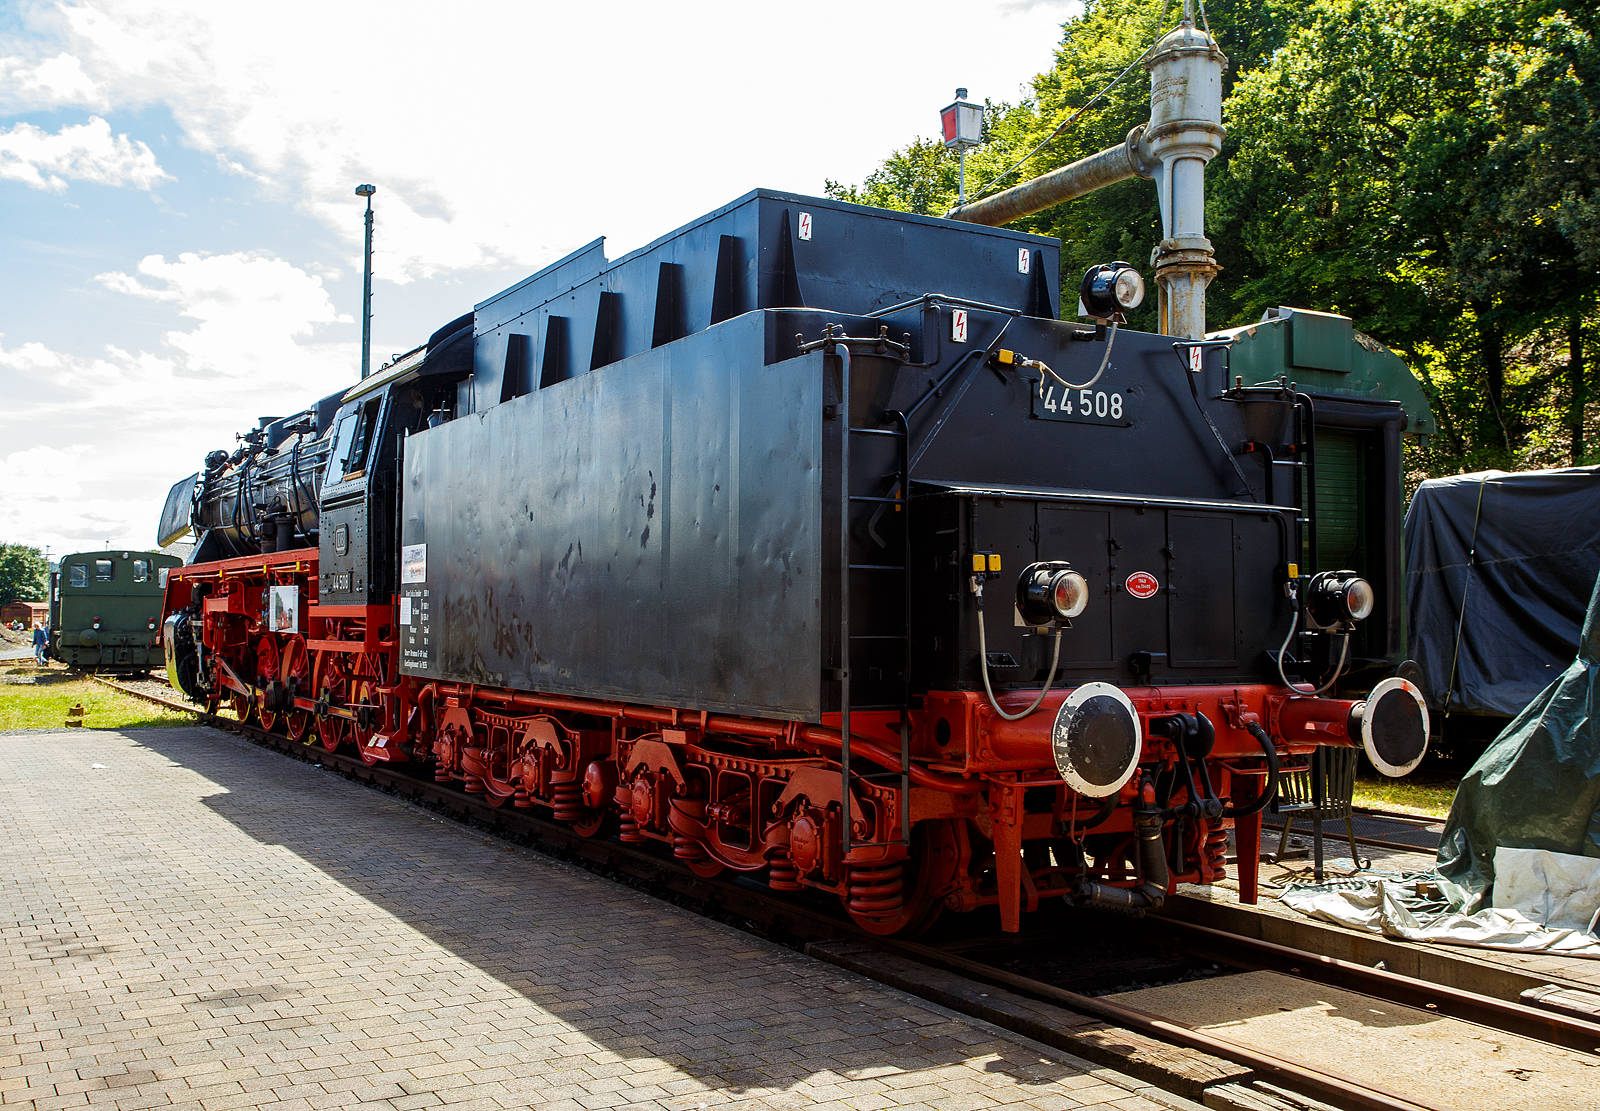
(180, 246)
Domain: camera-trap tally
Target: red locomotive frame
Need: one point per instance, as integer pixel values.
(992, 821)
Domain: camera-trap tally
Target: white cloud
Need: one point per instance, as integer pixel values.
(499, 135)
(506, 134)
(251, 309)
(56, 80)
(112, 432)
(82, 152)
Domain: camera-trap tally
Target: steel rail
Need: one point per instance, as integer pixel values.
(1485, 1010)
(1397, 846)
(1418, 821)
(1341, 1090)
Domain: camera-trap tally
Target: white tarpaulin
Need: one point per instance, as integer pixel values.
(1544, 902)
(1558, 890)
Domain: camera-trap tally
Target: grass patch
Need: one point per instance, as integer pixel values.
(44, 705)
(1419, 793)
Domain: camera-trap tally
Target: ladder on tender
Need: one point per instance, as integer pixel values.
(839, 345)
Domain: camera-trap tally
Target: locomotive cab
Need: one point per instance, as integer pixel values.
(360, 502)
(105, 610)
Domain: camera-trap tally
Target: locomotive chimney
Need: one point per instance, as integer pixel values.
(1184, 133)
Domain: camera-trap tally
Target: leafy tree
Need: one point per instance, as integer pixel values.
(1421, 167)
(24, 574)
(1428, 167)
(1096, 76)
(1531, 245)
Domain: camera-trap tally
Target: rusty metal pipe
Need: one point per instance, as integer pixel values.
(1084, 176)
(875, 752)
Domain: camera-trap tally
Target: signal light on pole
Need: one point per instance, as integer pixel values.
(962, 125)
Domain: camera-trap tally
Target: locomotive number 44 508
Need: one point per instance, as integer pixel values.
(1081, 406)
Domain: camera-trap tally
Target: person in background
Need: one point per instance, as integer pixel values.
(41, 642)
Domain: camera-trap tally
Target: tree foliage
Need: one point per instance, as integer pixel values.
(1429, 167)
(24, 574)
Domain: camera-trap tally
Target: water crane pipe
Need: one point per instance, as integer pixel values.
(1184, 133)
(1084, 176)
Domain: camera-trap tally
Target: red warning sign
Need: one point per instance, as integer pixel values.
(1142, 584)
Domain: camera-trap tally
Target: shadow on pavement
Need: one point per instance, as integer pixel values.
(636, 975)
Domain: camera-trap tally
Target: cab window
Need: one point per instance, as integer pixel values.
(353, 438)
(341, 443)
(80, 574)
(103, 570)
(141, 570)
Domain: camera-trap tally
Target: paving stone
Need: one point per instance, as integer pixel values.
(203, 924)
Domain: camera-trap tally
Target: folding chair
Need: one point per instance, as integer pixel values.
(1321, 792)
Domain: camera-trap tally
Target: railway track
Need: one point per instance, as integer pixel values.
(751, 906)
(1378, 829)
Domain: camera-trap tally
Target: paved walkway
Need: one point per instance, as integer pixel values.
(192, 922)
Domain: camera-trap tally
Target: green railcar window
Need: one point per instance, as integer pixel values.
(1339, 501)
(352, 436)
(104, 570)
(141, 570)
(80, 574)
(1344, 470)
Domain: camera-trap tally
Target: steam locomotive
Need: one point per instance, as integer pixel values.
(806, 541)
(932, 600)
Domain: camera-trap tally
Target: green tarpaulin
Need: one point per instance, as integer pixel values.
(1538, 784)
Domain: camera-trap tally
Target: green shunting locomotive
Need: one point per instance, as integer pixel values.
(105, 610)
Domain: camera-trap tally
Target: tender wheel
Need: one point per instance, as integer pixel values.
(596, 823)
(905, 899)
(707, 868)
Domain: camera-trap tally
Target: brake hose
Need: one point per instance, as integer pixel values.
(1270, 791)
(1344, 655)
(983, 664)
(1111, 338)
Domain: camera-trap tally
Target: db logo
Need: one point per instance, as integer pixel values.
(1142, 584)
